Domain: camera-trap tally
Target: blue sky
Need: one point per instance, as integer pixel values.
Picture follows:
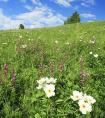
(45, 13)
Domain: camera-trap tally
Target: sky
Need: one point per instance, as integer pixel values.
(47, 13)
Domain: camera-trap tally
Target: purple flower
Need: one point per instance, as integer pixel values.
(13, 76)
(6, 69)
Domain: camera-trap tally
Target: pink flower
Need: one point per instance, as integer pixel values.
(13, 76)
(6, 69)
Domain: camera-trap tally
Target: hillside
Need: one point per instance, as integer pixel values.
(74, 54)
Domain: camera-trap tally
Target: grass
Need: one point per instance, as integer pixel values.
(61, 52)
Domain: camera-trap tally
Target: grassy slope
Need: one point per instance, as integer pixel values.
(42, 50)
(71, 33)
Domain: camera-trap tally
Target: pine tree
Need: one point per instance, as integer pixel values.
(75, 18)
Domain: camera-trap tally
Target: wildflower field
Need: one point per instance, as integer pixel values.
(54, 72)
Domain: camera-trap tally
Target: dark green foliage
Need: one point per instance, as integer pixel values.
(75, 18)
(21, 26)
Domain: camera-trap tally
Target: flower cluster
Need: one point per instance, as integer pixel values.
(48, 85)
(24, 46)
(95, 55)
(84, 101)
(92, 41)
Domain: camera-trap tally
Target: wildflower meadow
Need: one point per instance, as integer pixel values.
(54, 72)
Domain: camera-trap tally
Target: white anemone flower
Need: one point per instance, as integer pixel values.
(77, 95)
(89, 99)
(95, 55)
(84, 107)
(51, 80)
(49, 90)
(42, 83)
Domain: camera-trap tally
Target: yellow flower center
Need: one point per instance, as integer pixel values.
(83, 106)
(49, 91)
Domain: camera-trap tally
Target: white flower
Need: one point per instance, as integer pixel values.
(77, 95)
(48, 85)
(84, 107)
(56, 41)
(24, 46)
(89, 99)
(20, 36)
(95, 55)
(92, 41)
(50, 80)
(91, 52)
(42, 83)
(49, 90)
(29, 39)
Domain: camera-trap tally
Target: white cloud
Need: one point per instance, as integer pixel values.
(8, 23)
(65, 3)
(41, 16)
(88, 3)
(88, 16)
(36, 2)
(30, 8)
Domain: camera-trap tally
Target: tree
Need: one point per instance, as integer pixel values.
(21, 26)
(75, 18)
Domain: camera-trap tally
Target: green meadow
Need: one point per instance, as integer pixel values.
(73, 54)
